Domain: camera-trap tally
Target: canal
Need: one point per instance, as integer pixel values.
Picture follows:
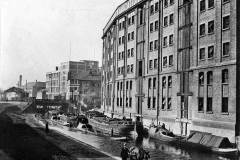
(158, 150)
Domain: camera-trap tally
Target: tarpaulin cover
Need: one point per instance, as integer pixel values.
(196, 137)
(205, 139)
(219, 142)
(209, 140)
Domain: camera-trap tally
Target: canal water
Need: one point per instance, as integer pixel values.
(158, 150)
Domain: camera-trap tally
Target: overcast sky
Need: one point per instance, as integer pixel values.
(36, 35)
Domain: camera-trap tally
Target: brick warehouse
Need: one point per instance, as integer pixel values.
(177, 60)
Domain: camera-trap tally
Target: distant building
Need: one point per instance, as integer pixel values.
(66, 80)
(87, 89)
(14, 94)
(53, 84)
(70, 69)
(33, 87)
(41, 94)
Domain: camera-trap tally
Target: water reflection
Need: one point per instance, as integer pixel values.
(163, 150)
(157, 149)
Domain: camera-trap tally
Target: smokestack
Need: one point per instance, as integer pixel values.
(20, 81)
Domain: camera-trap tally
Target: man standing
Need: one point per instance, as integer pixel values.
(124, 152)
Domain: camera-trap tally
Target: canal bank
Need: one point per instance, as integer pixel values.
(21, 141)
(158, 150)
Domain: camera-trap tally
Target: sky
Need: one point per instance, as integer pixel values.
(36, 35)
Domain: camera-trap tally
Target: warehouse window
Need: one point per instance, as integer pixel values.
(151, 46)
(224, 104)
(149, 83)
(151, 27)
(201, 79)
(209, 104)
(164, 82)
(209, 78)
(210, 51)
(202, 30)
(202, 5)
(155, 44)
(165, 42)
(224, 76)
(141, 16)
(226, 22)
(151, 9)
(132, 52)
(170, 60)
(210, 3)
(149, 102)
(130, 85)
(132, 36)
(133, 19)
(154, 82)
(171, 40)
(202, 54)
(131, 70)
(150, 64)
(226, 49)
(156, 7)
(200, 104)
(165, 3)
(169, 103)
(169, 81)
(163, 102)
(156, 25)
(165, 61)
(155, 64)
(210, 27)
(171, 20)
(130, 102)
(154, 103)
(165, 23)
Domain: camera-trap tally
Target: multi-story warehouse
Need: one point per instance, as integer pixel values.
(174, 61)
(53, 84)
(65, 82)
(68, 70)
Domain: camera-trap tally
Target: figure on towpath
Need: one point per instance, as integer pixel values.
(124, 152)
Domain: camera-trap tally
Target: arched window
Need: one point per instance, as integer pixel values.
(163, 82)
(209, 78)
(201, 78)
(169, 81)
(149, 83)
(225, 76)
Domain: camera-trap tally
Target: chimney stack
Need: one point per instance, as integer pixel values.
(20, 81)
